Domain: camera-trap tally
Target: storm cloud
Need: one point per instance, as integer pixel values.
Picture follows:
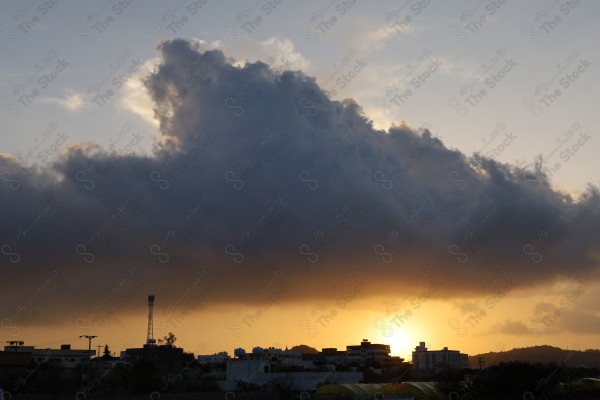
(259, 172)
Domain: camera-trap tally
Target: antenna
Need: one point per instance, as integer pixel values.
(150, 334)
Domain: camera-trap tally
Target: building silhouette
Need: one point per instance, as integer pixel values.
(65, 356)
(428, 361)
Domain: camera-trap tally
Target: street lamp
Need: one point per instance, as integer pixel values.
(85, 376)
(89, 338)
(15, 343)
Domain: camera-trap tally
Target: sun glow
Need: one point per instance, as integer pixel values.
(401, 342)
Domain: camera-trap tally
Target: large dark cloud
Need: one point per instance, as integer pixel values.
(260, 171)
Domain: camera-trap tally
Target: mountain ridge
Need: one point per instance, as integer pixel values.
(544, 354)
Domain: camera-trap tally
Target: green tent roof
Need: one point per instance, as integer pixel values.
(418, 390)
(354, 391)
(360, 391)
(589, 382)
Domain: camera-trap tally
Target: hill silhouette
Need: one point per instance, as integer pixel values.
(540, 354)
(304, 349)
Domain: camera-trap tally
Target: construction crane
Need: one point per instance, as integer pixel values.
(150, 341)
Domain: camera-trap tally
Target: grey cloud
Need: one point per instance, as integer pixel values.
(517, 328)
(260, 171)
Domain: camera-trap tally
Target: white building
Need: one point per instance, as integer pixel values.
(260, 372)
(67, 357)
(217, 358)
(285, 358)
(437, 360)
(265, 367)
(368, 352)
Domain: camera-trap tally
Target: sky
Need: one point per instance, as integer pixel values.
(280, 172)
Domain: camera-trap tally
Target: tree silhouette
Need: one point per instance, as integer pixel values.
(106, 353)
(170, 339)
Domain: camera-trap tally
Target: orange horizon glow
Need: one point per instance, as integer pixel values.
(206, 332)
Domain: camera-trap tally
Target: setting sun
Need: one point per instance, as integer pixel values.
(299, 200)
(401, 343)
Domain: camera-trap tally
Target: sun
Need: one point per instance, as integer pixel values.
(401, 343)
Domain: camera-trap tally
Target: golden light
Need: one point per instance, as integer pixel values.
(401, 342)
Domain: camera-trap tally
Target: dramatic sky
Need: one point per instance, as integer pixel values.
(279, 172)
